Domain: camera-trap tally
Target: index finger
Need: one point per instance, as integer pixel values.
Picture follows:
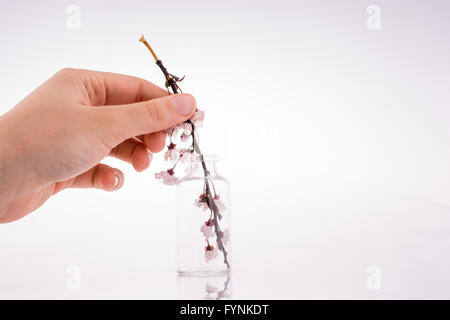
(105, 88)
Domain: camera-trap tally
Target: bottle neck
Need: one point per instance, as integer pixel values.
(206, 163)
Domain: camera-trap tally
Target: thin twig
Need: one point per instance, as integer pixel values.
(171, 81)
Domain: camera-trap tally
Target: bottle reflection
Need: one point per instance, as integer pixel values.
(204, 288)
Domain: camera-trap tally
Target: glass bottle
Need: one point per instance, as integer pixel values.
(203, 219)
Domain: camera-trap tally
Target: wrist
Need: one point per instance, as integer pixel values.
(8, 173)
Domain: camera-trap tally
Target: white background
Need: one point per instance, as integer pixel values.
(335, 139)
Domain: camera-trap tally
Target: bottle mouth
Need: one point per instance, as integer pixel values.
(206, 157)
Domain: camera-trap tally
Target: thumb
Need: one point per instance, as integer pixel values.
(154, 115)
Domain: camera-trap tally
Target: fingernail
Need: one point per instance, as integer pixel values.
(150, 155)
(116, 181)
(183, 104)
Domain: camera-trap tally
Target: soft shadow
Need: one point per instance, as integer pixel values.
(204, 288)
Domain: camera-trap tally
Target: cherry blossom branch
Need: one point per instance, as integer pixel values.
(217, 217)
(171, 81)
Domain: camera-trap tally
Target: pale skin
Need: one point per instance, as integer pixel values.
(57, 136)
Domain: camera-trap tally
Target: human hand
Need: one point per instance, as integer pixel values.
(55, 138)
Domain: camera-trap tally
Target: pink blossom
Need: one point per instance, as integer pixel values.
(186, 131)
(182, 128)
(185, 137)
(210, 253)
(185, 155)
(219, 203)
(197, 119)
(225, 236)
(167, 177)
(202, 202)
(207, 229)
(172, 152)
(185, 128)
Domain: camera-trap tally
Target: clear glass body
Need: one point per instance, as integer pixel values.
(203, 220)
